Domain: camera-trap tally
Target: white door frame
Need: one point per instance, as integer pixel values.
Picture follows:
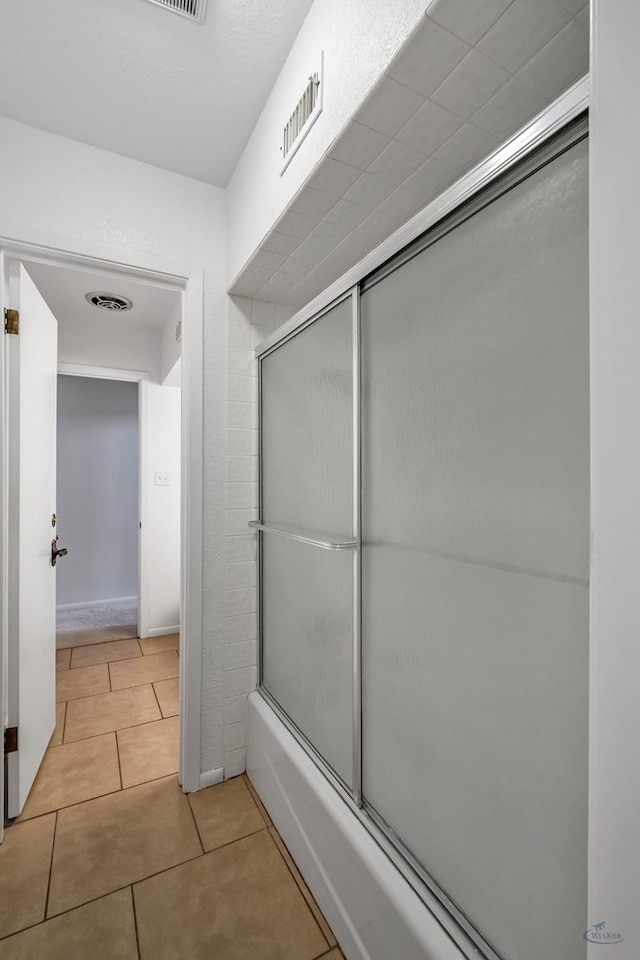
(188, 279)
(141, 377)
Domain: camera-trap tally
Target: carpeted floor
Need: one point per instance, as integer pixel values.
(111, 620)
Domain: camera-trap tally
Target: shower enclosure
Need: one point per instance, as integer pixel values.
(424, 554)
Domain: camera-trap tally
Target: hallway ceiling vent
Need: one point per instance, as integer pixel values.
(108, 301)
(193, 9)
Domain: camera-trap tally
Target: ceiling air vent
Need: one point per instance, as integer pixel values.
(108, 301)
(304, 115)
(193, 9)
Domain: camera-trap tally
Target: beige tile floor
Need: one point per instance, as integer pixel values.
(110, 860)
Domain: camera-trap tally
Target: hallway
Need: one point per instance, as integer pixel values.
(111, 860)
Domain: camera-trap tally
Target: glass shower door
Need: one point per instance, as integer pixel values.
(475, 527)
(307, 532)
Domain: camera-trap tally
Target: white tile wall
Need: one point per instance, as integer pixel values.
(523, 29)
(248, 322)
(388, 107)
(469, 21)
(470, 85)
(235, 710)
(470, 75)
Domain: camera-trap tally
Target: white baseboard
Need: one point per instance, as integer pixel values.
(209, 777)
(162, 631)
(94, 603)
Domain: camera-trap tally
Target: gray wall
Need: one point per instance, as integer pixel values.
(97, 499)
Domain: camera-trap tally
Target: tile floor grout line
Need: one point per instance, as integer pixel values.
(145, 682)
(84, 698)
(64, 723)
(77, 803)
(141, 783)
(264, 813)
(195, 823)
(130, 885)
(115, 733)
(133, 686)
(152, 640)
(95, 736)
(155, 693)
(235, 839)
(125, 886)
(100, 796)
(53, 848)
(295, 880)
(264, 817)
(103, 732)
(90, 696)
(130, 727)
(135, 921)
(115, 659)
(40, 923)
(96, 643)
(134, 883)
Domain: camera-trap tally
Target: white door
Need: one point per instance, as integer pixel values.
(31, 428)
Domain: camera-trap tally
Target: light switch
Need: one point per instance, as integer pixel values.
(161, 479)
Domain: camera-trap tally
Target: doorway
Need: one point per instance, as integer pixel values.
(98, 439)
(188, 293)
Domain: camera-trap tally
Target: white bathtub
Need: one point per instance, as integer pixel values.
(373, 911)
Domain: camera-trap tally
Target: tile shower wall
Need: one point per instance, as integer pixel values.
(248, 322)
(467, 78)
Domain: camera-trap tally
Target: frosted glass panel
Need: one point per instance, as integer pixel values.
(475, 561)
(307, 631)
(307, 451)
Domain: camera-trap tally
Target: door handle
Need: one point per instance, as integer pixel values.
(55, 553)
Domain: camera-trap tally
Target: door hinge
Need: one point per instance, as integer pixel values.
(10, 740)
(11, 321)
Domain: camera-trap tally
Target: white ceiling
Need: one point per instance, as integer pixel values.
(136, 79)
(64, 289)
